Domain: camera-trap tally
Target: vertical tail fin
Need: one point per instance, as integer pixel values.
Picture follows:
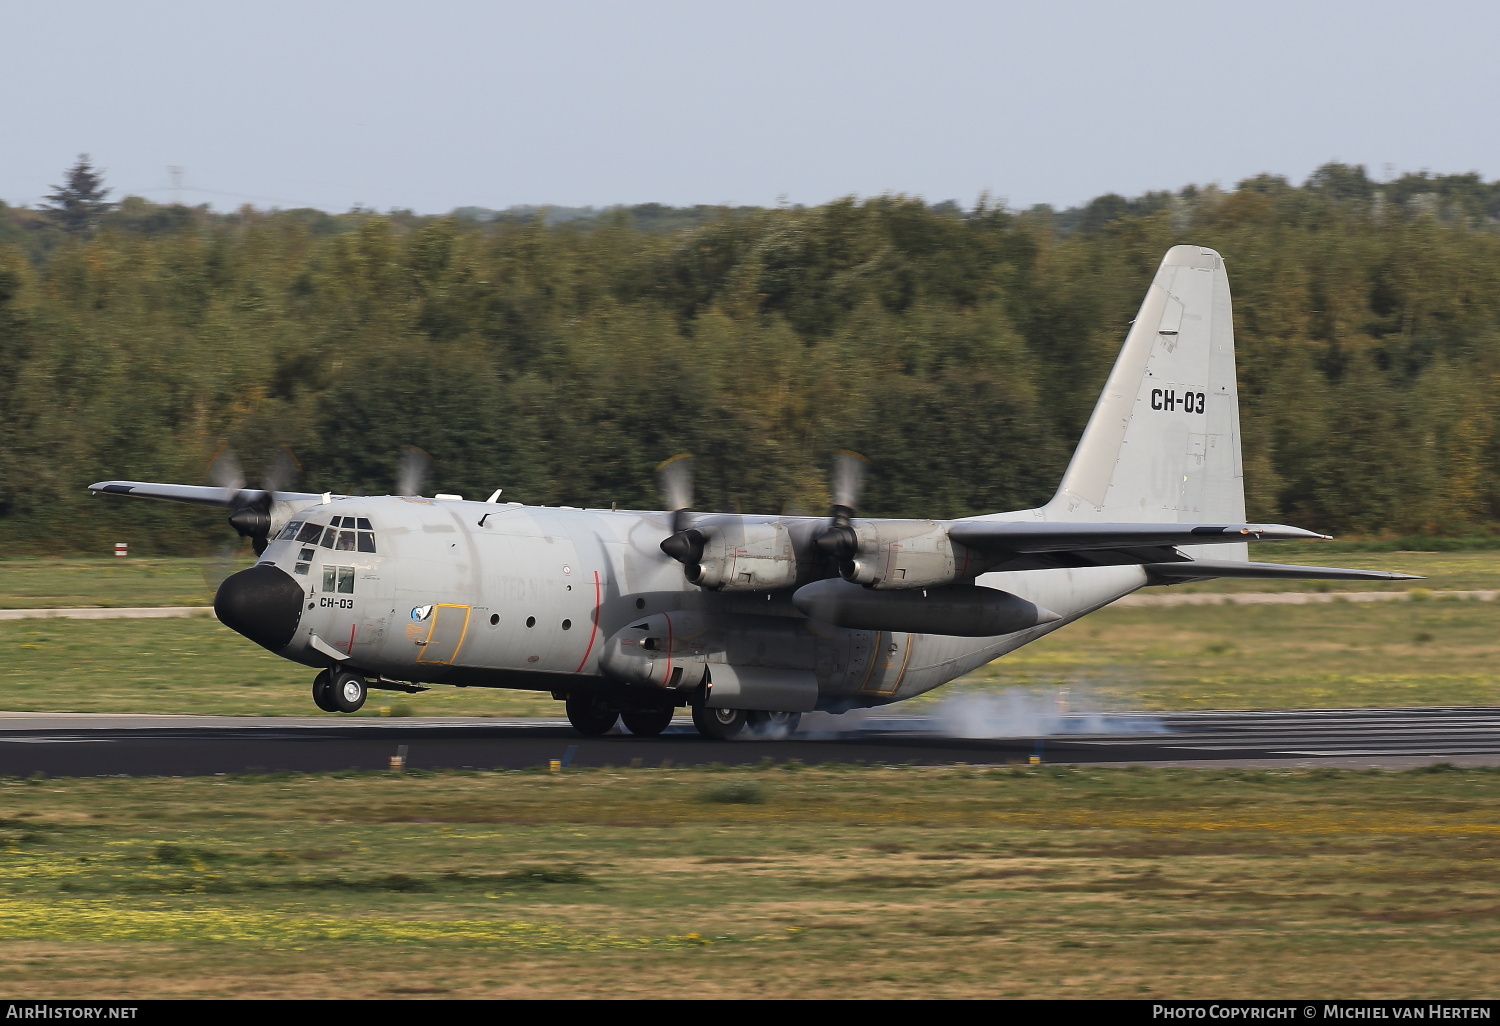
(1163, 444)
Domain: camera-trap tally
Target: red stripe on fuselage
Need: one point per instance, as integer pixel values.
(667, 676)
(593, 633)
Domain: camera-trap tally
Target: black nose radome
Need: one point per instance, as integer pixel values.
(262, 603)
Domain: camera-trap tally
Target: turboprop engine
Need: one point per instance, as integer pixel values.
(729, 554)
(963, 609)
(894, 555)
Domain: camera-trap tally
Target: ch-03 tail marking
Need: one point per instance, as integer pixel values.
(750, 621)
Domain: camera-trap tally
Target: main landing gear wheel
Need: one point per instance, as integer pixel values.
(349, 691)
(719, 724)
(590, 715)
(323, 692)
(773, 724)
(647, 722)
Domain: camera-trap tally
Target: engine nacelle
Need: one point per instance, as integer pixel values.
(903, 554)
(740, 556)
(964, 610)
(667, 650)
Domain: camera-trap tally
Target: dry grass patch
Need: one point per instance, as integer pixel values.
(841, 881)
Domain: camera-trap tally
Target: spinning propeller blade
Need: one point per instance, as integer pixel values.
(416, 468)
(250, 514)
(675, 480)
(838, 540)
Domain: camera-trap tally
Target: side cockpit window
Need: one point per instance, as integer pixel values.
(338, 580)
(309, 533)
(289, 531)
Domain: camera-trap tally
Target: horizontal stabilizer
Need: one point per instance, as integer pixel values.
(1037, 536)
(203, 495)
(1203, 569)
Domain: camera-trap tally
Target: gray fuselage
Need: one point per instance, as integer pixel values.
(490, 595)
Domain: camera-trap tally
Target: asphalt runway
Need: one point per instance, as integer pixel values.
(120, 745)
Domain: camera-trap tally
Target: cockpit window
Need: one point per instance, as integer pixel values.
(289, 531)
(340, 535)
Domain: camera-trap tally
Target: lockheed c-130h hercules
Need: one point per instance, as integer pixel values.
(752, 620)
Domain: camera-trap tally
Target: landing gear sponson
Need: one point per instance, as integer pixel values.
(592, 715)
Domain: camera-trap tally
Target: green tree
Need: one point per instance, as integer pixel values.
(79, 203)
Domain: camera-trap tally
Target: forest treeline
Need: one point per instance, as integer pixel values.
(961, 350)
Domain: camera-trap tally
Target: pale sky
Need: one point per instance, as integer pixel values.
(448, 103)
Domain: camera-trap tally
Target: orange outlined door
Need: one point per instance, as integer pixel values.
(446, 635)
(887, 663)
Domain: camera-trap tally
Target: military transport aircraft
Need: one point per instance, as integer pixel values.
(752, 620)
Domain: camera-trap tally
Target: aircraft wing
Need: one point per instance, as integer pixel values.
(202, 495)
(999, 536)
(1204, 569)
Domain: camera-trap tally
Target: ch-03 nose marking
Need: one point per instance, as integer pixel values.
(752, 620)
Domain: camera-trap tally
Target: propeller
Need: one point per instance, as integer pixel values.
(675, 480)
(416, 468)
(250, 514)
(838, 540)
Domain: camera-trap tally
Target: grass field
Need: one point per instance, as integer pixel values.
(1433, 652)
(27, 583)
(30, 583)
(794, 882)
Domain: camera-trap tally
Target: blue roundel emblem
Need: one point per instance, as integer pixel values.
(421, 612)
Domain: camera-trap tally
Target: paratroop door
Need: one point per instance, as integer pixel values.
(449, 625)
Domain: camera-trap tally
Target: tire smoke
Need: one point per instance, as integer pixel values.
(1029, 712)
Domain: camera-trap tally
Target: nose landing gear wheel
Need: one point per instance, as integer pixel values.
(719, 724)
(349, 691)
(323, 692)
(591, 716)
(773, 724)
(648, 722)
